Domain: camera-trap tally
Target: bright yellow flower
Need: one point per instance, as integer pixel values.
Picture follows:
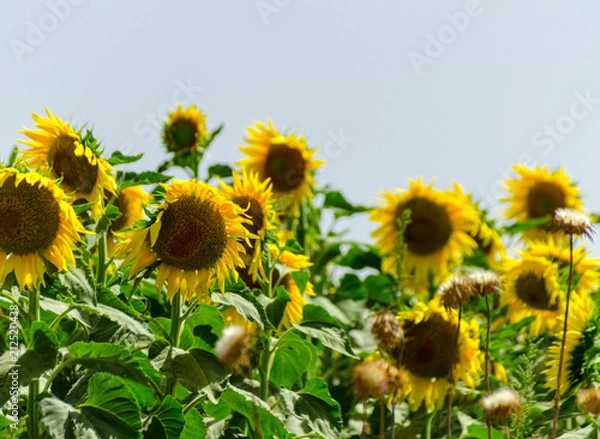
(438, 236)
(195, 238)
(429, 340)
(286, 160)
(255, 198)
(57, 148)
(38, 225)
(185, 129)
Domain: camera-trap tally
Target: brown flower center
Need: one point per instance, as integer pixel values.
(192, 234)
(254, 212)
(430, 226)
(77, 173)
(543, 199)
(122, 202)
(182, 135)
(531, 289)
(428, 347)
(30, 218)
(286, 167)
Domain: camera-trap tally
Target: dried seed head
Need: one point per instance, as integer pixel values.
(572, 222)
(399, 382)
(483, 282)
(589, 399)
(232, 347)
(371, 379)
(387, 332)
(454, 292)
(501, 404)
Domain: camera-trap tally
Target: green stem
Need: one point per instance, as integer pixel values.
(61, 316)
(451, 378)
(34, 385)
(101, 266)
(562, 344)
(136, 284)
(174, 337)
(266, 362)
(428, 423)
(487, 359)
(194, 403)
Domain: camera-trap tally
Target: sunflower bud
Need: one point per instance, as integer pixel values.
(572, 222)
(232, 347)
(371, 379)
(589, 399)
(501, 404)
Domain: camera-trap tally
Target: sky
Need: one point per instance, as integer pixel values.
(387, 90)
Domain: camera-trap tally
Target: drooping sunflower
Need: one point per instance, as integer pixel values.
(130, 202)
(531, 288)
(184, 130)
(537, 193)
(286, 160)
(438, 236)
(577, 345)
(429, 340)
(195, 238)
(38, 225)
(489, 243)
(60, 150)
(254, 197)
(586, 278)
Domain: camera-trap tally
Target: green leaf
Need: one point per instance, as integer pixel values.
(78, 283)
(168, 421)
(589, 432)
(219, 170)
(82, 207)
(317, 316)
(206, 325)
(194, 426)
(523, 226)
(111, 213)
(132, 325)
(276, 309)
(359, 258)
(380, 288)
(146, 177)
(300, 279)
(118, 158)
(111, 408)
(340, 205)
(292, 358)
(245, 304)
(351, 287)
(333, 338)
(107, 357)
(251, 407)
(315, 406)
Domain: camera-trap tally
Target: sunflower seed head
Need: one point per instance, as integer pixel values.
(572, 222)
(501, 404)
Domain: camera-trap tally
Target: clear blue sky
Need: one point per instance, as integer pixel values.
(455, 90)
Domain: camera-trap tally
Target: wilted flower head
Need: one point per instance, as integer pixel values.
(232, 347)
(399, 382)
(483, 282)
(501, 404)
(589, 399)
(572, 222)
(387, 332)
(454, 292)
(371, 379)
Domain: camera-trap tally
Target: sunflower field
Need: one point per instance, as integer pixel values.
(229, 304)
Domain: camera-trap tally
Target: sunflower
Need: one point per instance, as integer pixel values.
(437, 237)
(184, 131)
(286, 160)
(130, 202)
(531, 288)
(57, 148)
(255, 197)
(585, 276)
(38, 225)
(537, 193)
(489, 243)
(194, 239)
(429, 340)
(580, 311)
(294, 308)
